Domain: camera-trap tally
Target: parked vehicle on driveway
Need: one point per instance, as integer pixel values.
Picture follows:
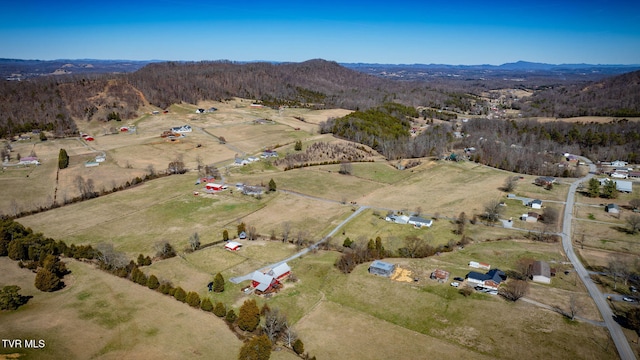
(458, 278)
(455, 284)
(628, 299)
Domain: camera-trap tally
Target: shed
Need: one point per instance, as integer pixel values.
(232, 245)
(541, 272)
(479, 265)
(381, 268)
(624, 186)
(440, 275)
(214, 186)
(536, 204)
(612, 209)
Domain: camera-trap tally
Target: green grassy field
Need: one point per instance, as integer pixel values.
(338, 316)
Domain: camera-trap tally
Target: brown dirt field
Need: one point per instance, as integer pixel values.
(104, 317)
(311, 216)
(355, 335)
(459, 187)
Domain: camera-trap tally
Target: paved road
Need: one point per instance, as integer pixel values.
(624, 349)
(240, 279)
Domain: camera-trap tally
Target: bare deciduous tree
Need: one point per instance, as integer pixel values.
(194, 241)
(346, 168)
(274, 324)
(110, 257)
(550, 215)
(286, 230)
(633, 221)
(514, 289)
(252, 233)
(510, 184)
(492, 211)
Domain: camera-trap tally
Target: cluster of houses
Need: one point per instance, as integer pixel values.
(416, 221)
(265, 155)
(488, 281)
(618, 169)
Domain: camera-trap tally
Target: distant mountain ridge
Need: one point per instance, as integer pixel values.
(20, 69)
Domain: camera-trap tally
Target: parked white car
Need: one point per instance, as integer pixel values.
(455, 284)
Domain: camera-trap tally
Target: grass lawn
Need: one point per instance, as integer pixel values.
(102, 316)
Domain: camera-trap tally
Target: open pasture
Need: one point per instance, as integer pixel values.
(441, 187)
(101, 316)
(136, 219)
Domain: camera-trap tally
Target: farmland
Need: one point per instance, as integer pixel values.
(337, 315)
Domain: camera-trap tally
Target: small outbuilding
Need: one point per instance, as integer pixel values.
(624, 186)
(536, 204)
(612, 209)
(440, 275)
(381, 268)
(232, 245)
(479, 265)
(541, 272)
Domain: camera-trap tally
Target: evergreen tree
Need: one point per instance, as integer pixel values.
(63, 159)
(258, 348)
(53, 264)
(10, 298)
(206, 305)
(347, 242)
(225, 235)
(152, 282)
(298, 347)
(220, 310)
(193, 299)
(47, 281)
(593, 189)
(231, 317)
(249, 316)
(272, 185)
(242, 227)
(609, 190)
(139, 277)
(218, 283)
(298, 145)
(180, 294)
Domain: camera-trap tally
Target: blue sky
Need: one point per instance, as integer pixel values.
(393, 32)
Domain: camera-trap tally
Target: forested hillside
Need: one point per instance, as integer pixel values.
(534, 147)
(615, 96)
(383, 107)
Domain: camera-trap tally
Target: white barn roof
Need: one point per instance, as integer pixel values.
(279, 270)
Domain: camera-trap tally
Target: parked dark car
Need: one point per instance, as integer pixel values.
(458, 278)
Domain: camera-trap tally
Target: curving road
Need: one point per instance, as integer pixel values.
(624, 349)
